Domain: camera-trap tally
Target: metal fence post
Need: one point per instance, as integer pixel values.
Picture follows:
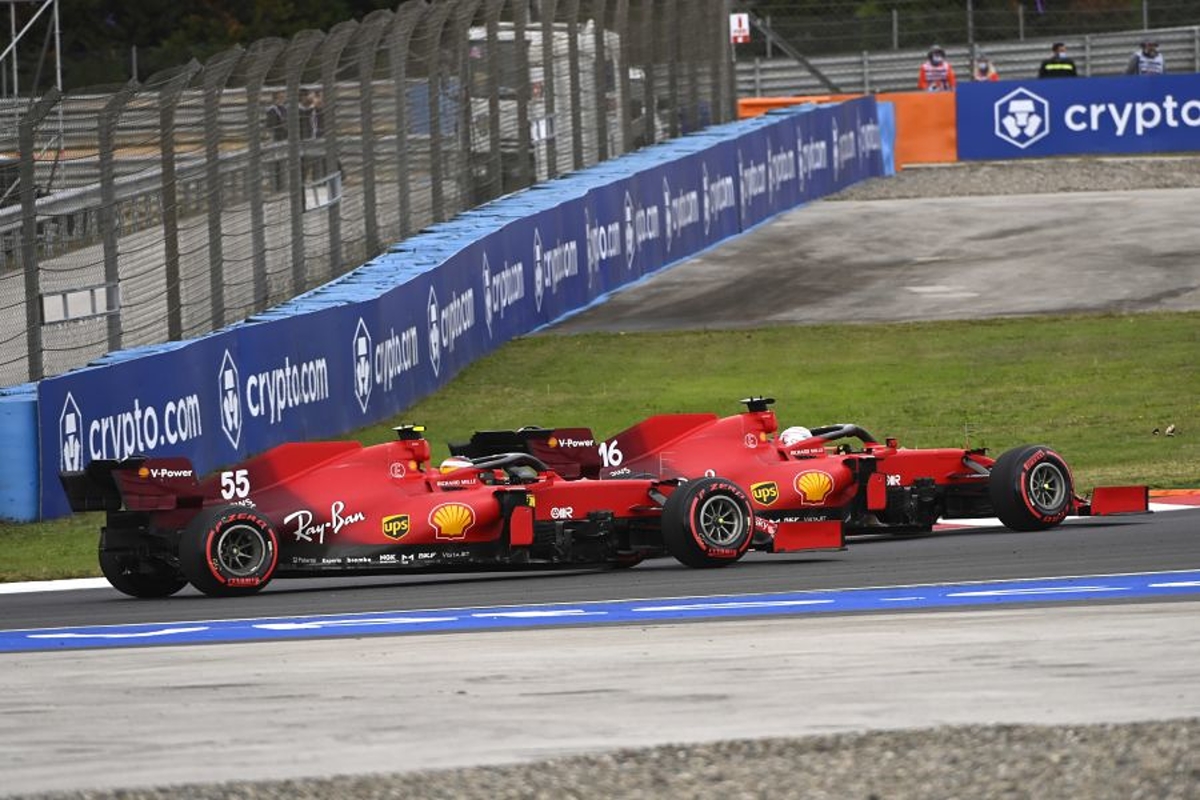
(262, 55)
(621, 26)
(35, 366)
(216, 73)
(668, 29)
(572, 14)
(526, 171)
(331, 165)
(108, 201)
(168, 103)
(407, 18)
(434, 57)
(370, 33)
(298, 52)
(599, 72)
(548, 10)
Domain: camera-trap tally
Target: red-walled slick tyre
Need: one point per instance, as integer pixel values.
(707, 523)
(228, 551)
(1031, 488)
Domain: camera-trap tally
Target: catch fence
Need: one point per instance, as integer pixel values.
(163, 210)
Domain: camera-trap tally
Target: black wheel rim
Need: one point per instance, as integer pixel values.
(1047, 487)
(721, 521)
(241, 551)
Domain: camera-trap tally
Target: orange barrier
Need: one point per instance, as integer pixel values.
(926, 122)
(926, 127)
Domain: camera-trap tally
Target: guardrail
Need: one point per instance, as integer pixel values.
(896, 70)
(402, 325)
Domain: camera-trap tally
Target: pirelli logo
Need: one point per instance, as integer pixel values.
(765, 493)
(396, 526)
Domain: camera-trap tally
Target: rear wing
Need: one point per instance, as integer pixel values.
(571, 452)
(132, 484)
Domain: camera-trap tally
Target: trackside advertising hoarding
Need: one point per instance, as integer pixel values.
(369, 345)
(1031, 119)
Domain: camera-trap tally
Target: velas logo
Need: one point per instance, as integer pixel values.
(361, 348)
(229, 393)
(1021, 118)
(435, 337)
(70, 436)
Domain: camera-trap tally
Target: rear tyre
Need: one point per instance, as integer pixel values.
(140, 577)
(707, 523)
(228, 551)
(1031, 488)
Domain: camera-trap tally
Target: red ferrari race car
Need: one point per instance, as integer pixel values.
(338, 508)
(840, 475)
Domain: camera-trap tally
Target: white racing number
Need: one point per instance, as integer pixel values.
(235, 484)
(610, 455)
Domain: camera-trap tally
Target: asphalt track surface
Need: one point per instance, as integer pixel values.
(82, 719)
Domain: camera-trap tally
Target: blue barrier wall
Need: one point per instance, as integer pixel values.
(367, 346)
(1032, 119)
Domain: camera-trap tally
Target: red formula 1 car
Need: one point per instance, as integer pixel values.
(840, 476)
(338, 508)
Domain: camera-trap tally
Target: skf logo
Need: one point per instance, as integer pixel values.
(813, 487)
(452, 520)
(765, 493)
(231, 401)
(362, 365)
(396, 526)
(435, 336)
(1022, 118)
(70, 436)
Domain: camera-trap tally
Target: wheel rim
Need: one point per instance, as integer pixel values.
(241, 551)
(721, 521)
(1047, 487)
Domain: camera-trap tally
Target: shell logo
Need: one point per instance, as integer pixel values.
(814, 486)
(452, 520)
(552, 441)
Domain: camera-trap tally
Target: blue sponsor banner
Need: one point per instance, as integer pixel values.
(372, 343)
(1032, 119)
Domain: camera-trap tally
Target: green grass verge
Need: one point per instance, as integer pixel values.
(1094, 387)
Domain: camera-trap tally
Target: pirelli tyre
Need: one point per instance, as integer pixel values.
(1031, 488)
(707, 523)
(140, 577)
(228, 551)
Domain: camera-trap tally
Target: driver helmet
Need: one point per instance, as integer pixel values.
(454, 462)
(796, 433)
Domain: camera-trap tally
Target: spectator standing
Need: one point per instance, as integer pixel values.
(1147, 61)
(936, 74)
(1058, 65)
(277, 117)
(985, 70)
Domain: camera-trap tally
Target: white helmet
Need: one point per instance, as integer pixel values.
(796, 433)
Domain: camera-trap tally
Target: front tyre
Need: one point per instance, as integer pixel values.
(140, 577)
(228, 551)
(707, 523)
(1031, 488)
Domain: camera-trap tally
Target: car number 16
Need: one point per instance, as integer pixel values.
(610, 455)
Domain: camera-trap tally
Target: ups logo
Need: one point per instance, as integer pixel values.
(395, 526)
(766, 492)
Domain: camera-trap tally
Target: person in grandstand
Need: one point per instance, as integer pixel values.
(1058, 65)
(985, 70)
(936, 74)
(1147, 61)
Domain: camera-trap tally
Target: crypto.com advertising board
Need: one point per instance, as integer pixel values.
(1031, 119)
(353, 353)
